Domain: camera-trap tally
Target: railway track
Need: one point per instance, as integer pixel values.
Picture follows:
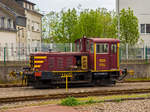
(11, 85)
(79, 94)
(20, 85)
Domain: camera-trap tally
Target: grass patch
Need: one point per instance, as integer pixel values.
(90, 101)
(138, 79)
(117, 100)
(70, 101)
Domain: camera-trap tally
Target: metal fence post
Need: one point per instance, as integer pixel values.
(146, 57)
(127, 52)
(70, 47)
(119, 55)
(4, 55)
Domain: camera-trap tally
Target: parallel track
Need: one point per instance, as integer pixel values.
(11, 85)
(79, 94)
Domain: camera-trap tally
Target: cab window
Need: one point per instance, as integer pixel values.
(101, 48)
(113, 48)
(87, 45)
(91, 48)
(78, 46)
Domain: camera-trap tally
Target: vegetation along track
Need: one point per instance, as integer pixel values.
(79, 94)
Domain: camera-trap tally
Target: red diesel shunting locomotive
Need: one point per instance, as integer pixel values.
(96, 61)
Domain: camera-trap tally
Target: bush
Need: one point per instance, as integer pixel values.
(70, 101)
(90, 101)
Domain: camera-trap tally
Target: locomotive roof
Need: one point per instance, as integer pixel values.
(59, 53)
(104, 40)
(98, 39)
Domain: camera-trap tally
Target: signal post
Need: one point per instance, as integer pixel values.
(66, 75)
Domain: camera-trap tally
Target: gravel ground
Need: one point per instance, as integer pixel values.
(124, 106)
(28, 91)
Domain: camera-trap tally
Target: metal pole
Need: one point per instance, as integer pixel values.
(70, 47)
(66, 83)
(4, 55)
(146, 55)
(127, 51)
(118, 16)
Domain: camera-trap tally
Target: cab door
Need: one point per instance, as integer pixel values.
(113, 54)
(102, 56)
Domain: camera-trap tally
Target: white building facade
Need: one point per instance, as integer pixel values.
(141, 10)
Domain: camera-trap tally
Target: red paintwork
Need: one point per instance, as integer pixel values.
(59, 60)
(62, 61)
(38, 74)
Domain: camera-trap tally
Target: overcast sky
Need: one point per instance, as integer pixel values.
(57, 5)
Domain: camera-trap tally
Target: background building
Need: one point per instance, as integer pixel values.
(141, 10)
(23, 23)
(20, 27)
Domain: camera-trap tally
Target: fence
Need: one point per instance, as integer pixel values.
(128, 52)
(17, 53)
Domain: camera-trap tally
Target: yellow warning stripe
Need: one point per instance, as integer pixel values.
(105, 70)
(95, 57)
(69, 71)
(40, 57)
(118, 56)
(37, 66)
(38, 61)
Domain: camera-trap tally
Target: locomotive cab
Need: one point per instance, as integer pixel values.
(103, 58)
(103, 53)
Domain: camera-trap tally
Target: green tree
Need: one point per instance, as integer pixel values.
(65, 32)
(129, 32)
(98, 23)
(49, 25)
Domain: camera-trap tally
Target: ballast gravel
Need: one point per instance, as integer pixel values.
(123, 106)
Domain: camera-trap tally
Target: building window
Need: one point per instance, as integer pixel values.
(2, 22)
(9, 23)
(145, 28)
(142, 28)
(35, 26)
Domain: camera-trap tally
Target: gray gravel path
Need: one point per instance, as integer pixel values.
(28, 91)
(125, 106)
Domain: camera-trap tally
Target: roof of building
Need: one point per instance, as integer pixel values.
(14, 6)
(27, 1)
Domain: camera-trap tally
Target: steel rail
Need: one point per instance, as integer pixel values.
(20, 85)
(79, 94)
